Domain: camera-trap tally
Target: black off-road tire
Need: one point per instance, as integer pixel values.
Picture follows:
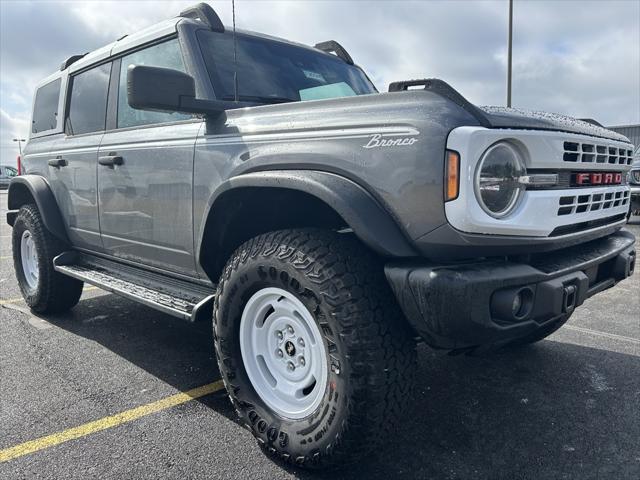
(370, 348)
(541, 334)
(54, 292)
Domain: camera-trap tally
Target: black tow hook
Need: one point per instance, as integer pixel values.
(569, 298)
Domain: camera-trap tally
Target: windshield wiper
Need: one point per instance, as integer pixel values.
(260, 99)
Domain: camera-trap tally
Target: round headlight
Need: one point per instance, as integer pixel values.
(497, 182)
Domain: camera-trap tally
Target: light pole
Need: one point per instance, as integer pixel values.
(509, 53)
(19, 140)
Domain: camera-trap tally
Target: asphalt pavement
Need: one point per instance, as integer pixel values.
(568, 407)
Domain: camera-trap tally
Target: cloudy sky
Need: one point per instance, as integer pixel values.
(577, 57)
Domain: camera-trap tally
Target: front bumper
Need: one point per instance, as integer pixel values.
(468, 305)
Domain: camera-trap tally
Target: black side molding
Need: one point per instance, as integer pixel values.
(205, 14)
(445, 90)
(29, 188)
(331, 46)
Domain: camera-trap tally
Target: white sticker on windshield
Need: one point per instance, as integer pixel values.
(313, 76)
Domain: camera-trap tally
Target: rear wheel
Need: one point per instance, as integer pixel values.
(314, 352)
(34, 248)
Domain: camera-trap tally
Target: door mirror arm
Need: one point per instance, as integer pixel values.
(208, 107)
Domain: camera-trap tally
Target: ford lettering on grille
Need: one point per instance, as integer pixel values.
(589, 179)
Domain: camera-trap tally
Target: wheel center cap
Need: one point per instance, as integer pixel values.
(290, 348)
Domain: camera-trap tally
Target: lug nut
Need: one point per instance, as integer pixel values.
(279, 334)
(302, 361)
(280, 353)
(290, 330)
(301, 342)
(291, 366)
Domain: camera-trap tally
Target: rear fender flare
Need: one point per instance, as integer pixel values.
(26, 187)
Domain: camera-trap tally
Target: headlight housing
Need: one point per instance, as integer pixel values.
(634, 176)
(497, 180)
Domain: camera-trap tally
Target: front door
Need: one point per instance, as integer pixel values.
(145, 176)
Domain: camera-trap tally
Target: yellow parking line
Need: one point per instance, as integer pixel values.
(107, 422)
(10, 300)
(6, 258)
(19, 299)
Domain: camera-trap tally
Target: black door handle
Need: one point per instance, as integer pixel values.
(111, 160)
(58, 162)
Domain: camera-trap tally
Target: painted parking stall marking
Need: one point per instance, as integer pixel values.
(20, 299)
(108, 422)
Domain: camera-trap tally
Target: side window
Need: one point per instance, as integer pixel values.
(45, 109)
(88, 102)
(166, 55)
(10, 172)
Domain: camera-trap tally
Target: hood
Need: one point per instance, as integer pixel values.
(502, 117)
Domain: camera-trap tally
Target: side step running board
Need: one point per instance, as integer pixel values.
(180, 298)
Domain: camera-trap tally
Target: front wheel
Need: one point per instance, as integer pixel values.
(313, 350)
(34, 248)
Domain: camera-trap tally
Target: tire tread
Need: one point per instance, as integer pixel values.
(56, 292)
(380, 345)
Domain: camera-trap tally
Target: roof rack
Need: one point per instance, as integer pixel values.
(331, 46)
(206, 14)
(70, 60)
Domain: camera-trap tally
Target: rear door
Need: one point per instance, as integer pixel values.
(46, 127)
(75, 154)
(146, 195)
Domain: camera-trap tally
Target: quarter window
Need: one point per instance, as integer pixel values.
(166, 55)
(45, 109)
(88, 103)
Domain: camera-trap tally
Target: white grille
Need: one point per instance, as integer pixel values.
(579, 152)
(543, 212)
(574, 204)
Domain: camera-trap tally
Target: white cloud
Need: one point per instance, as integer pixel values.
(577, 58)
(11, 127)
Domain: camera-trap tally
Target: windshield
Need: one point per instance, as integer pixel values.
(10, 171)
(275, 72)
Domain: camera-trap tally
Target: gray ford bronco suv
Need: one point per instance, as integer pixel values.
(323, 226)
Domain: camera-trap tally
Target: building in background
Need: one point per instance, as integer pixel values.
(632, 132)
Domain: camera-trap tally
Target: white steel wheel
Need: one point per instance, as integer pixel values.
(283, 352)
(29, 260)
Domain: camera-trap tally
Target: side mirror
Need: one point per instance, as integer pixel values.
(167, 90)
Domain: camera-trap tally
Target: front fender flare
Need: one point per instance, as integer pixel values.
(368, 219)
(25, 187)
